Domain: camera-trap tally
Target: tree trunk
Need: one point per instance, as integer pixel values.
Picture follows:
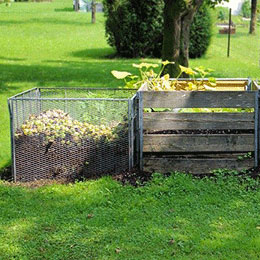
(185, 37)
(171, 36)
(177, 21)
(93, 11)
(76, 7)
(253, 16)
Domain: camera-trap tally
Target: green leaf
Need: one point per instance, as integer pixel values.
(166, 62)
(120, 74)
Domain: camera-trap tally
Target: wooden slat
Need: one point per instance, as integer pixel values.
(198, 143)
(234, 85)
(176, 121)
(195, 166)
(230, 88)
(198, 99)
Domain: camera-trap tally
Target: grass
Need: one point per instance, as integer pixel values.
(170, 218)
(47, 44)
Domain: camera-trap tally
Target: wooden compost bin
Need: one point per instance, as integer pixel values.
(199, 142)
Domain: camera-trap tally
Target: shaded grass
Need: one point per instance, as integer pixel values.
(47, 44)
(170, 218)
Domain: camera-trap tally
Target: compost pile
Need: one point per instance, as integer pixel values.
(54, 145)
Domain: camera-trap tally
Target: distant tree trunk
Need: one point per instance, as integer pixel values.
(93, 12)
(253, 16)
(171, 36)
(76, 7)
(178, 17)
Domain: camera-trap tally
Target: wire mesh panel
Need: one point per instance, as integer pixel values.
(64, 133)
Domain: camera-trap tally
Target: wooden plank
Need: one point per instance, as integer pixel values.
(198, 99)
(230, 88)
(212, 155)
(198, 143)
(227, 85)
(195, 166)
(176, 121)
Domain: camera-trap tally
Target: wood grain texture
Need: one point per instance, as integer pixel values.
(195, 165)
(227, 85)
(189, 121)
(198, 143)
(198, 99)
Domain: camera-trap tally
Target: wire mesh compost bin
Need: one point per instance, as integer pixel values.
(64, 132)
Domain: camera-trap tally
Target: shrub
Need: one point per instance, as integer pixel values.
(135, 28)
(200, 33)
(246, 9)
(222, 13)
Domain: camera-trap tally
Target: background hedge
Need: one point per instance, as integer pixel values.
(200, 33)
(135, 28)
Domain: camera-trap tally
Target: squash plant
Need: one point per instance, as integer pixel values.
(57, 125)
(156, 81)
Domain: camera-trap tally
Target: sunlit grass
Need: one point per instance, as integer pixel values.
(173, 218)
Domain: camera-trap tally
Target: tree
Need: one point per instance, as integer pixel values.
(178, 16)
(76, 5)
(253, 16)
(93, 11)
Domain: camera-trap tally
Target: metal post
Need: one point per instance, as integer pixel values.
(30, 102)
(133, 135)
(229, 32)
(11, 109)
(38, 101)
(66, 102)
(23, 110)
(129, 135)
(256, 127)
(140, 119)
(136, 133)
(249, 84)
(16, 114)
(131, 132)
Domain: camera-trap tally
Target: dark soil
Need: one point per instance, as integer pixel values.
(6, 173)
(134, 177)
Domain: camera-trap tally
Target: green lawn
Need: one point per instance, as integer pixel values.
(170, 218)
(46, 44)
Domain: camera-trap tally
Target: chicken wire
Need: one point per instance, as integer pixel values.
(98, 139)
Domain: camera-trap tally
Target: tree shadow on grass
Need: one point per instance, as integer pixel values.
(36, 21)
(94, 53)
(11, 59)
(64, 73)
(6, 89)
(66, 9)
